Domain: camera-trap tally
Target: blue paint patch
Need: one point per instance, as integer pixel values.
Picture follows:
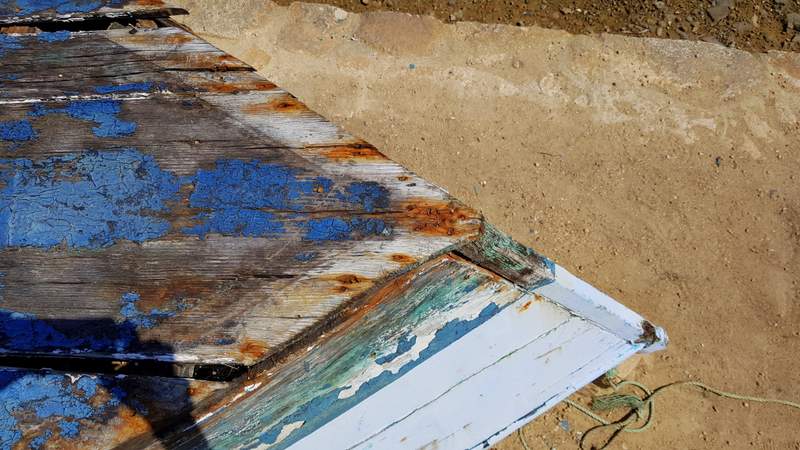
(8, 43)
(88, 385)
(131, 313)
(27, 7)
(302, 256)
(69, 429)
(325, 408)
(40, 440)
(236, 191)
(9, 76)
(403, 345)
(253, 185)
(44, 396)
(24, 332)
(88, 200)
(336, 229)
(231, 221)
(369, 195)
(129, 87)
(17, 131)
(56, 36)
(102, 112)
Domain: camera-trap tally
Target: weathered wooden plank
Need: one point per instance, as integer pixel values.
(481, 388)
(46, 409)
(159, 202)
(499, 253)
(93, 63)
(243, 209)
(396, 328)
(450, 353)
(20, 12)
(584, 300)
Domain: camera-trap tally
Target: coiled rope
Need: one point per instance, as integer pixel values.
(642, 408)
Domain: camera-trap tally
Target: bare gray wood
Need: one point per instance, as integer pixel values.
(152, 181)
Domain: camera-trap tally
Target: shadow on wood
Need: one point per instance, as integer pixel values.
(45, 404)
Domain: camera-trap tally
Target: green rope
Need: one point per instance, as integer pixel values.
(642, 408)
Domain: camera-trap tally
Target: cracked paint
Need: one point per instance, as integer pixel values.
(55, 36)
(49, 398)
(102, 112)
(89, 200)
(325, 408)
(17, 131)
(146, 319)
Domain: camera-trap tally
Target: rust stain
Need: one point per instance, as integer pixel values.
(349, 278)
(160, 294)
(158, 3)
(440, 219)
(538, 297)
(349, 282)
(19, 29)
(285, 104)
(179, 39)
(402, 258)
(525, 306)
(223, 87)
(403, 178)
(253, 348)
(128, 425)
(353, 152)
(198, 390)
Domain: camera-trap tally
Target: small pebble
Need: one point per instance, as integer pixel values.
(718, 12)
(793, 21)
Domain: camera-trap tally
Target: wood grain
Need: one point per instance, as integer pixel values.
(19, 12)
(158, 183)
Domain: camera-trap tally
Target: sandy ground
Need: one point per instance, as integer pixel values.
(664, 172)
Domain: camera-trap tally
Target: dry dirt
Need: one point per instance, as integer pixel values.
(747, 24)
(664, 172)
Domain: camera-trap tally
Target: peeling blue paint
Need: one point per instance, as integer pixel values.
(252, 185)
(131, 313)
(55, 36)
(8, 43)
(69, 429)
(336, 229)
(369, 194)
(45, 396)
(40, 440)
(403, 345)
(28, 7)
(235, 191)
(231, 221)
(25, 332)
(94, 199)
(325, 408)
(302, 256)
(102, 112)
(88, 200)
(17, 131)
(129, 87)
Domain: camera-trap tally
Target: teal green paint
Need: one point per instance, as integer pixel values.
(308, 391)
